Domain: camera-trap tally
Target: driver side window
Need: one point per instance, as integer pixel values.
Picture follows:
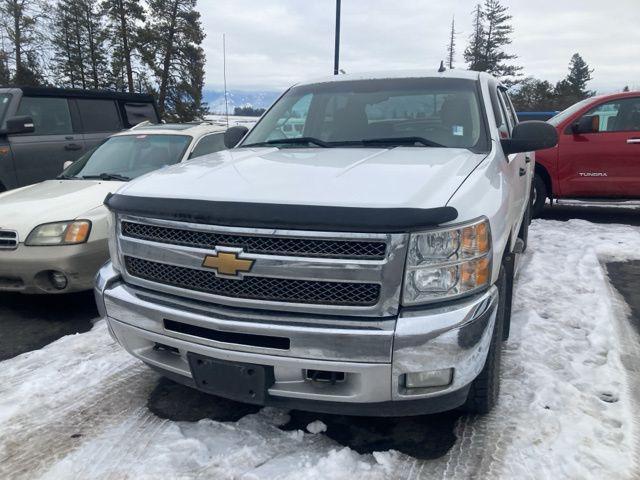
(617, 116)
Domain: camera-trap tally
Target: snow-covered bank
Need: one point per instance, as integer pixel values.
(77, 408)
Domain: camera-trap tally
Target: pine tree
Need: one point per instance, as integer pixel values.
(79, 42)
(579, 75)
(498, 33)
(492, 33)
(170, 44)
(451, 48)
(473, 54)
(5, 74)
(626, 88)
(573, 87)
(21, 23)
(123, 17)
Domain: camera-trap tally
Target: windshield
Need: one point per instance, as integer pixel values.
(129, 156)
(4, 103)
(427, 112)
(563, 115)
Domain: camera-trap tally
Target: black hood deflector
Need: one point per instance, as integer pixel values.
(283, 216)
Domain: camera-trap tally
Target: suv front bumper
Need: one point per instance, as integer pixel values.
(26, 268)
(373, 354)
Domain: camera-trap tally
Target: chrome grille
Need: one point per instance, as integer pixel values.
(258, 288)
(8, 239)
(312, 272)
(265, 245)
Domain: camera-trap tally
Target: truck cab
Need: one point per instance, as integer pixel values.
(354, 252)
(598, 152)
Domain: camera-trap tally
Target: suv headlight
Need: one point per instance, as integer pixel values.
(60, 233)
(447, 263)
(112, 231)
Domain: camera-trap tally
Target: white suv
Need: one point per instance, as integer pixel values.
(53, 235)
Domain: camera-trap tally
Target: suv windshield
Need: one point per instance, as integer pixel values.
(129, 156)
(4, 103)
(425, 112)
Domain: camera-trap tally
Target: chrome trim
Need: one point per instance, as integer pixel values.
(387, 272)
(367, 342)
(454, 336)
(14, 238)
(365, 382)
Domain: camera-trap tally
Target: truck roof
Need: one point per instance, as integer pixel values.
(380, 75)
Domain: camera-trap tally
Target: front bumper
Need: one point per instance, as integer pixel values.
(26, 269)
(373, 354)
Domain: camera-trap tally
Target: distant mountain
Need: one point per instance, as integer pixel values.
(238, 98)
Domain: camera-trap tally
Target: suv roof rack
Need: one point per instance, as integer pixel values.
(145, 123)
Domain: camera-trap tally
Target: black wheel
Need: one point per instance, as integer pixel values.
(484, 391)
(539, 195)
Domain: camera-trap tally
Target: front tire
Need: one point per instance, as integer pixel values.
(483, 394)
(539, 195)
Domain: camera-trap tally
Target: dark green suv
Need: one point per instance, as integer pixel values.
(42, 128)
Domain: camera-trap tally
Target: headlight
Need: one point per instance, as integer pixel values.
(447, 263)
(112, 230)
(60, 233)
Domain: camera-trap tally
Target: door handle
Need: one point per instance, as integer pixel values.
(522, 171)
(73, 146)
(634, 140)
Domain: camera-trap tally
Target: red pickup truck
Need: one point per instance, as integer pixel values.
(598, 152)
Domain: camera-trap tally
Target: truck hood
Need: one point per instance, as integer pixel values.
(410, 177)
(51, 201)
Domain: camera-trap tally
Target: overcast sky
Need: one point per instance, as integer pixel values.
(272, 44)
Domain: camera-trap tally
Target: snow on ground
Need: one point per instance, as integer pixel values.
(77, 408)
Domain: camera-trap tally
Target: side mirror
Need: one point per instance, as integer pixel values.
(21, 124)
(233, 135)
(529, 137)
(586, 124)
(67, 164)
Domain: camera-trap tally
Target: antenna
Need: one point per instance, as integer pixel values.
(224, 70)
(442, 68)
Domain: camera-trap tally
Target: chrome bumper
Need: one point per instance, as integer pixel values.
(374, 354)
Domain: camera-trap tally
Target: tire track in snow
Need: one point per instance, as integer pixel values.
(32, 445)
(630, 357)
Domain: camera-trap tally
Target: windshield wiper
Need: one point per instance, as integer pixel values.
(107, 176)
(67, 177)
(292, 141)
(401, 141)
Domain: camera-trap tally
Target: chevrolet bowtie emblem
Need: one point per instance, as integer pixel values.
(226, 263)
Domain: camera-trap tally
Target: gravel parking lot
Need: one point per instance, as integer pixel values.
(82, 408)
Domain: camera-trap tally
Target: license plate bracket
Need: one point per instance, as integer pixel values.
(243, 382)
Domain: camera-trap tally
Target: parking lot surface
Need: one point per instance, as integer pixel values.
(82, 408)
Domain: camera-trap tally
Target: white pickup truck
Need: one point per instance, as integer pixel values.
(353, 253)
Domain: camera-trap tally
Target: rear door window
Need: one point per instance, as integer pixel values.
(99, 115)
(209, 144)
(139, 112)
(50, 115)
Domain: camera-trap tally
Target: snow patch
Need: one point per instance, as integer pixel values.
(316, 427)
